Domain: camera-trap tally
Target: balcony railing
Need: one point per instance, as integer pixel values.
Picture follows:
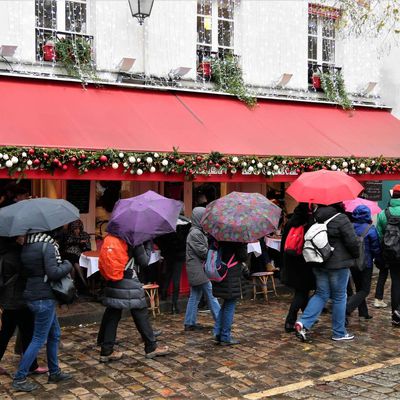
(204, 60)
(44, 34)
(314, 68)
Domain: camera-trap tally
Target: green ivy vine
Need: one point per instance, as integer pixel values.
(335, 90)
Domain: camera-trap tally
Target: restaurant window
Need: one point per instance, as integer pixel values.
(321, 38)
(59, 19)
(215, 29)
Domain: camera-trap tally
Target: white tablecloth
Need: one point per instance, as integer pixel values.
(273, 243)
(90, 263)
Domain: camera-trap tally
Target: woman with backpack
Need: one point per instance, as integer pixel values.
(229, 290)
(332, 275)
(372, 250)
(295, 272)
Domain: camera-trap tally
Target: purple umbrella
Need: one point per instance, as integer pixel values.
(144, 217)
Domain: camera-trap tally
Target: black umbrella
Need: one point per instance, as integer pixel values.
(36, 215)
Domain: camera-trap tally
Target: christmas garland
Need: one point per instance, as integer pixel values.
(18, 160)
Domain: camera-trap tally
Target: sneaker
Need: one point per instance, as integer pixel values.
(114, 356)
(289, 327)
(231, 342)
(301, 332)
(24, 386)
(396, 318)
(59, 377)
(379, 303)
(39, 371)
(217, 339)
(196, 327)
(347, 336)
(159, 351)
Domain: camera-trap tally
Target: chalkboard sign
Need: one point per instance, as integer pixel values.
(78, 193)
(372, 190)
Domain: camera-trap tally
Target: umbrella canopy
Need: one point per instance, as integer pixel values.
(324, 187)
(36, 215)
(241, 217)
(351, 205)
(144, 217)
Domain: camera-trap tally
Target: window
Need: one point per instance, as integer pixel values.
(59, 18)
(321, 38)
(215, 28)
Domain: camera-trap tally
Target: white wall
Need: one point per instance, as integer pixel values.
(390, 80)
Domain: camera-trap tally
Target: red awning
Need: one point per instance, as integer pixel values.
(49, 114)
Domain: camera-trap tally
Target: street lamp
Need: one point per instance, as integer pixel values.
(141, 9)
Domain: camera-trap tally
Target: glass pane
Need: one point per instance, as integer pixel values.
(46, 14)
(204, 30)
(225, 33)
(226, 9)
(75, 17)
(204, 7)
(312, 24)
(328, 28)
(328, 50)
(312, 48)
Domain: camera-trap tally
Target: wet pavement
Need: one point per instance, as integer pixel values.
(266, 361)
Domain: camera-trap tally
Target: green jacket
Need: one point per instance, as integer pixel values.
(394, 208)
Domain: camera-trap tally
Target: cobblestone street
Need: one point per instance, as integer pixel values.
(266, 361)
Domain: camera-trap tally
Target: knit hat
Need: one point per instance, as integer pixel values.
(396, 191)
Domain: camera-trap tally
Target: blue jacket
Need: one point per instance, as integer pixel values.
(362, 218)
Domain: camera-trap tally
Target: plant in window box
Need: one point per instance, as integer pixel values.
(75, 55)
(335, 90)
(228, 77)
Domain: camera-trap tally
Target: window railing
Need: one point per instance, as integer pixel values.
(43, 35)
(316, 70)
(204, 60)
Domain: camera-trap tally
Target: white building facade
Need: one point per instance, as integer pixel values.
(270, 37)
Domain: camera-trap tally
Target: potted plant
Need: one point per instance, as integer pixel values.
(316, 80)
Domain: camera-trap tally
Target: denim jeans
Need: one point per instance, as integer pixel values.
(196, 293)
(331, 284)
(223, 324)
(47, 330)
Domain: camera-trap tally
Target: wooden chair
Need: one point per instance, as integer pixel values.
(260, 279)
(151, 291)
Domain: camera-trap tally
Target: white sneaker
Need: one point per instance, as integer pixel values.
(379, 303)
(347, 336)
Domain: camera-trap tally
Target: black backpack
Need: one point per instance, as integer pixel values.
(391, 239)
(361, 261)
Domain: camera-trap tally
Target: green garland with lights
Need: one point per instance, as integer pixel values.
(19, 160)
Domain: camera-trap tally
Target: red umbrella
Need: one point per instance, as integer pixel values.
(324, 187)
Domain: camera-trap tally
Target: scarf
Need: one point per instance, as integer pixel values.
(45, 238)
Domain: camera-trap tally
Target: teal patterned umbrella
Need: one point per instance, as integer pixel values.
(241, 217)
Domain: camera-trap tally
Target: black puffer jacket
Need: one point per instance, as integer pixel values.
(229, 288)
(295, 272)
(128, 293)
(341, 236)
(11, 294)
(35, 265)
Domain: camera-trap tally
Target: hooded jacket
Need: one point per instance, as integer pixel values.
(341, 236)
(196, 250)
(394, 208)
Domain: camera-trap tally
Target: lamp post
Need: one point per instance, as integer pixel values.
(141, 9)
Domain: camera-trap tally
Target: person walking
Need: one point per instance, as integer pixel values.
(380, 287)
(362, 279)
(15, 312)
(394, 267)
(332, 275)
(41, 264)
(124, 292)
(295, 272)
(196, 254)
(229, 290)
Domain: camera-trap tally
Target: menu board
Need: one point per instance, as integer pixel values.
(78, 193)
(372, 190)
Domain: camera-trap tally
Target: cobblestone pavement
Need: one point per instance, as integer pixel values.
(267, 358)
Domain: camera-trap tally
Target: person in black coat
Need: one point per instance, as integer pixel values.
(16, 313)
(295, 272)
(332, 275)
(229, 290)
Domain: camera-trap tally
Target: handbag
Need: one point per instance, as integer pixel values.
(64, 289)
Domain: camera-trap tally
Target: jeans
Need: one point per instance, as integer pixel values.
(109, 324)
(395, 288)
(11, 319)
(223, 324)
(380, 285)
(299, 302)
(331, 284)
(46, 329)
(362, 282)
(196, 293)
